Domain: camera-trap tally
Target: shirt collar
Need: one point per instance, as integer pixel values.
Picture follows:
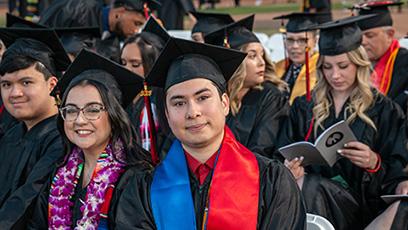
(193, 163)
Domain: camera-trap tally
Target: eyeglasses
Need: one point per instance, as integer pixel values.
(91, 112)
(300, 42)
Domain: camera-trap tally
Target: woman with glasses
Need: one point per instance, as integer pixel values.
(101, 154)
(257, 102)
(347, 194)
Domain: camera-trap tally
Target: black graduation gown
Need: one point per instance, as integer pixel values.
(72, 13)
(134, 111)
(6, 120)
(172, 13)
(398, 91)
(78, 13)
(27, 160)
(347, 195)
(39, 219)
(401, 218)
(257, 123)
(280, 204)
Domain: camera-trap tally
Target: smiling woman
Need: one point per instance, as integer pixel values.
(99, 145)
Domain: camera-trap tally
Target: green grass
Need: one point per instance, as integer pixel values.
(288, 7)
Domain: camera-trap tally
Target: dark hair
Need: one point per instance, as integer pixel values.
(150, 46)
(10, 65)
(120, 123)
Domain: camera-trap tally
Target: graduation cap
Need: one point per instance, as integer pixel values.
(88, 65)
(182, 60)
(74, 39)
(300, 21)
(42, 45)
(234, 35)
(383, 15)
(14, 21)
(340, 36)
(208, 22)
(152, 27)
(138, 5)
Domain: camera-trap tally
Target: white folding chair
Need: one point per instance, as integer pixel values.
(316, 222)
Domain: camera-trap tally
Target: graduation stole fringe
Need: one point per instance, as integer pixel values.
(382, 75)
(99, 190)
(233, 194)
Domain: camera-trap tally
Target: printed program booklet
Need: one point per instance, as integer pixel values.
(324, 150)
(392, 198)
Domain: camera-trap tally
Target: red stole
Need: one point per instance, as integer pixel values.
(382, 75)
(234, 191)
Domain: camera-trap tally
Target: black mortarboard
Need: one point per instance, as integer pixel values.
(340, 36)
(383, 15)
(209, 22)
(14, 21)
(154, 28)
(124, 84)
(235, 34)
(138, 5)
(299, 21)
(182, 60)
(42, 45)
(74, 39)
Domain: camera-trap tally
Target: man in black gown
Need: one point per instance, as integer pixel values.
(123, 19)
(31, 148)
(389, 60)
(208, 179)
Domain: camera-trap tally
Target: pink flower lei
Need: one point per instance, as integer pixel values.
(106, 173)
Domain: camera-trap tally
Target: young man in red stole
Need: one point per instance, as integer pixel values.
(208, 180)
(389, 60)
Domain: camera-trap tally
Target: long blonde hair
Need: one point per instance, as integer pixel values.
(361, 97)
(236, 82)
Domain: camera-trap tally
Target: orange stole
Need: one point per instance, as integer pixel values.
(382, 75)
(234, 192)
(299, 89)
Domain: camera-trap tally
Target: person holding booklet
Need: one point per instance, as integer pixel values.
(347, 194)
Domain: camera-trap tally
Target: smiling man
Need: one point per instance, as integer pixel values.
(389, 60)
(208, 180)
(31, 148)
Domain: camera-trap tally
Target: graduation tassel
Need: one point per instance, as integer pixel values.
(226, 42)
(152, 127)
(146, 10)
(307, 49)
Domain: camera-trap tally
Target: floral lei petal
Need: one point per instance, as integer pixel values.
(65, 181)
